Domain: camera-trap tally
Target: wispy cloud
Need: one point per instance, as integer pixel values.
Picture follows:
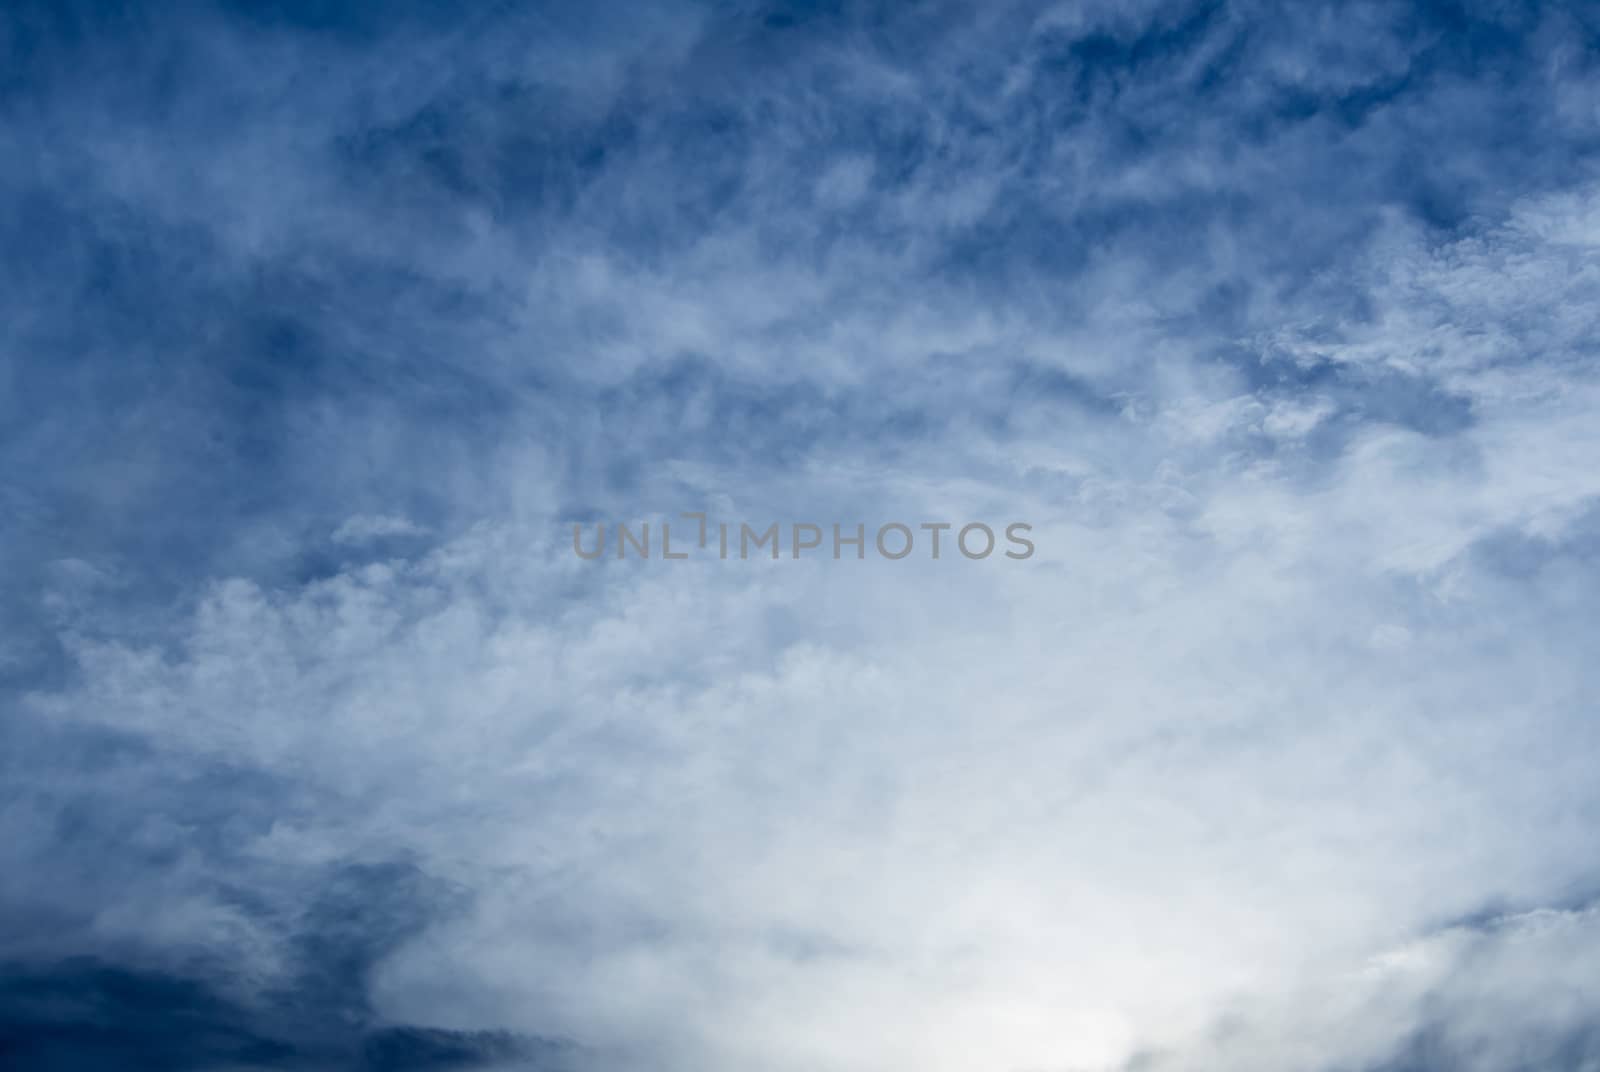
(324, 327)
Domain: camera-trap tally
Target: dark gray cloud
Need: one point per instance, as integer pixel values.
(85, 1016)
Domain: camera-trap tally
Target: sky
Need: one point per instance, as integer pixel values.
(325, 323)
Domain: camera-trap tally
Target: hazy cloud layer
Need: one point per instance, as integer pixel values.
(321, 749)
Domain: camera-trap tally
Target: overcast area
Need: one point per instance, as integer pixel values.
(325, 324)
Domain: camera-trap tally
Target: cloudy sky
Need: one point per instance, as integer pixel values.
(325, 323)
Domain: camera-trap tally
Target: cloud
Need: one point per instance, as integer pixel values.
(365, 529)
(84, 1015)
(1276, 327)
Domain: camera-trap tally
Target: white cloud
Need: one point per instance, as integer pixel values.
(1262, 721)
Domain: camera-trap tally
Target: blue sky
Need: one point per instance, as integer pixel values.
(324, 322)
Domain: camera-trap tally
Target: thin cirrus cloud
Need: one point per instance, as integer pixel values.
(323, 750)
